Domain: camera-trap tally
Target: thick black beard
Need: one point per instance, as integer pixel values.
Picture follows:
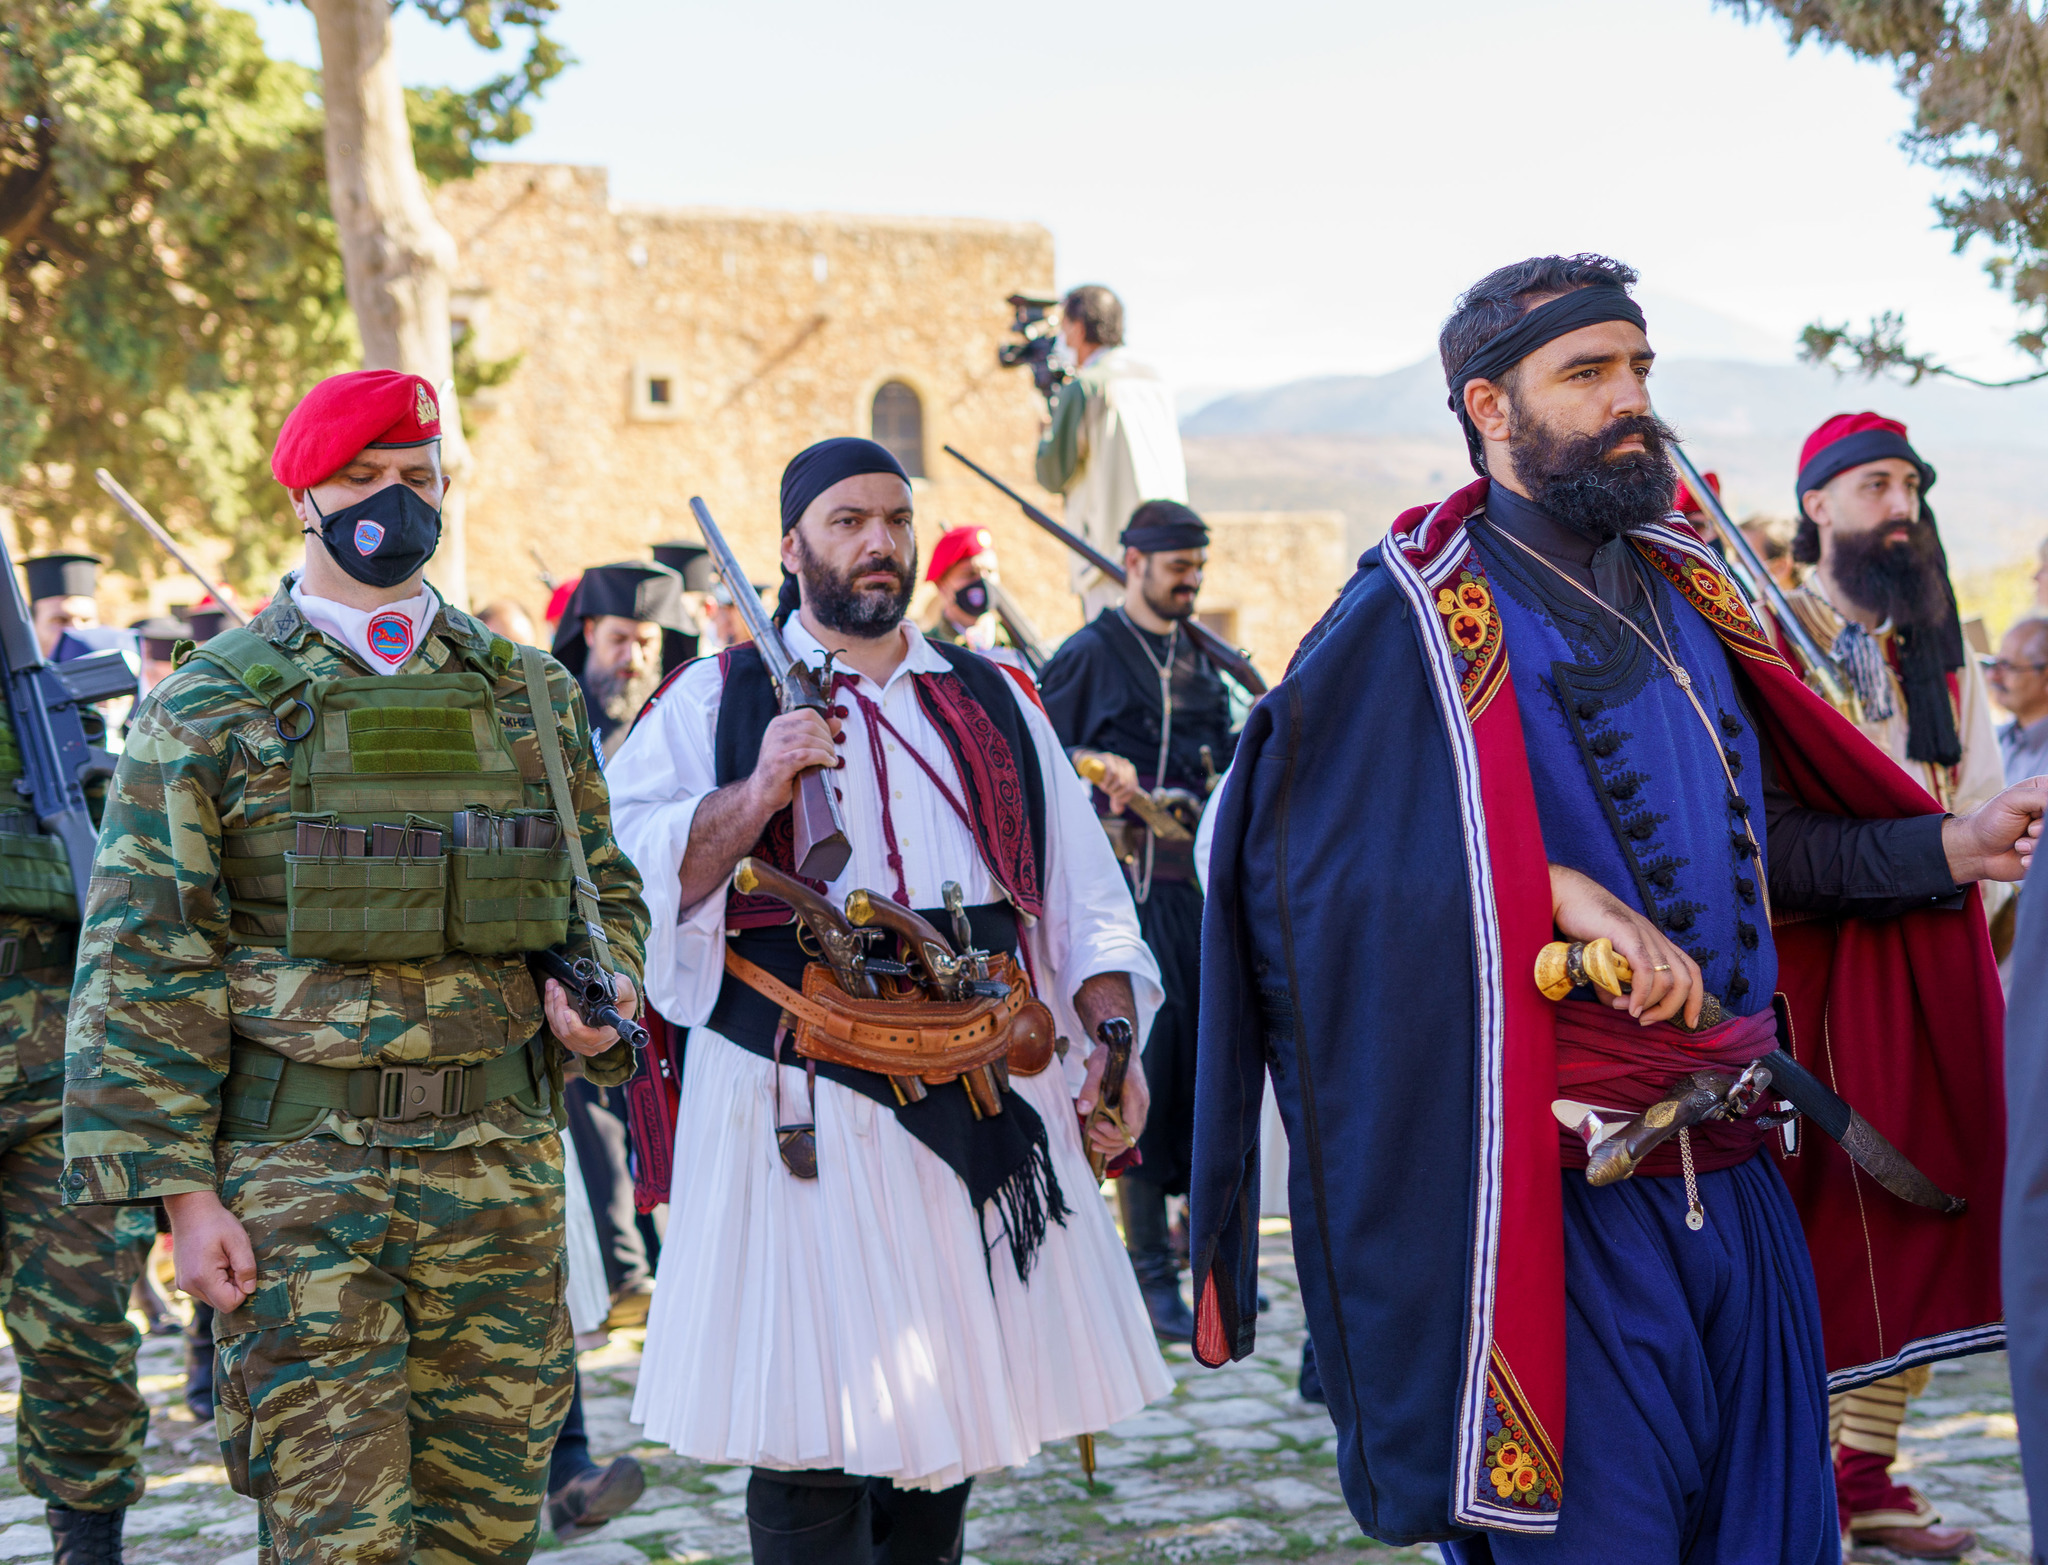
(1896, 581)
(866, 612)
(1165, 605)
(1572, 478)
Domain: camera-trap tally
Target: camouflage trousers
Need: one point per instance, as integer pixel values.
(64, 1286)
(393, 1387)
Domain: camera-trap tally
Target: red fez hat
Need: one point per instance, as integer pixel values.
(1850, 440)
(956, 544)
(1686, 503)
(346, 414)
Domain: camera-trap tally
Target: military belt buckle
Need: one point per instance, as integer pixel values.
(408, 1092)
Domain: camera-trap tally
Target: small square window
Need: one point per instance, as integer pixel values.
(657, 391)
(654, 393)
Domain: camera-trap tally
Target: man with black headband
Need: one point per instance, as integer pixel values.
(1131, 692)
(1879, 600)
(868, 1295)
(1542, 711)
(304, 1020)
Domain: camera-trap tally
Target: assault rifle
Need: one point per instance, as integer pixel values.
(43, 702)
(821, 846)
(593, 992)
(1220, 652)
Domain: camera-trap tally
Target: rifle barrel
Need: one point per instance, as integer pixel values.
(1763, 585)
(148, 523)
(1220, 652)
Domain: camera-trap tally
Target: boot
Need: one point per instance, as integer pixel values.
(1143, 1205)
(85, 1537)
(593, 1497)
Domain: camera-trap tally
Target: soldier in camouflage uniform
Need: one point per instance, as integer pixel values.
(66, 1272)
(329, 1059)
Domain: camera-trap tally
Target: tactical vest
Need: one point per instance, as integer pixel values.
(408, 750)
(35, 873)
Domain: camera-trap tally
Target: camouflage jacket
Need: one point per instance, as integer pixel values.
(162, 990)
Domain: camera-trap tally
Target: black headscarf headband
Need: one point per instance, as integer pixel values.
(810, 473)
(1546, 323)
(1926, 652)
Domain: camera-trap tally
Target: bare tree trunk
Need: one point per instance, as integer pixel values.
(397, 257)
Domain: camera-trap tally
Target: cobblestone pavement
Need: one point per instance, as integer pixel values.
(1233, 1467)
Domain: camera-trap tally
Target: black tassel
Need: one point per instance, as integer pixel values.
(1930, 714)
(1031, 1200)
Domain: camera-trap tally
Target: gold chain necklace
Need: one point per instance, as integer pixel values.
(1679, 677)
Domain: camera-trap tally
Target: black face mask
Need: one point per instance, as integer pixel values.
(382, 540)
(972, 599)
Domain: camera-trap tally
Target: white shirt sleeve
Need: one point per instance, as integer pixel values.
(658, 778)
(1090, 924)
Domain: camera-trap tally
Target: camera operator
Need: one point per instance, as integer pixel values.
(1113, 441)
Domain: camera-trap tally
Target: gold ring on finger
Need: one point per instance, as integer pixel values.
(1661, 967)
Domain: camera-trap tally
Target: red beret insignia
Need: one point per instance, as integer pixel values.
(348, 414)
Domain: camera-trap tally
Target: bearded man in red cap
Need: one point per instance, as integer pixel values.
(1879, 602)
(304, 1019)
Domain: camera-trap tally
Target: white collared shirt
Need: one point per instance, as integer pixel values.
(383, 639)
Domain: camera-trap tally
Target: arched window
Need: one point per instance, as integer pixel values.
(897, 421)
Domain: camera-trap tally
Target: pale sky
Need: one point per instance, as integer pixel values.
(1294, 188)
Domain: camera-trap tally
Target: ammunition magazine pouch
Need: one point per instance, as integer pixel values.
(35, 876)
(270, 1098)
(935, 1041)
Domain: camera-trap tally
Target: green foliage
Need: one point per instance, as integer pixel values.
(1976, 73)
(448, 126)
(171, 277)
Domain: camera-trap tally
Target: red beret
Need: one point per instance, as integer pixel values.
(956, 544)
(346, 414)
(1685, 503)
(558, 600)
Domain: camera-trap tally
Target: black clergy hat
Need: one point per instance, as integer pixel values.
(62, 576)
(691, 561)
(160, 635)
(631, 589)
(208, 623)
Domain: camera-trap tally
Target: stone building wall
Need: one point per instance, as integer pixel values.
(665, 353)
(766, 331)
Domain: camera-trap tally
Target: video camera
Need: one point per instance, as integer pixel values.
(1038, 337)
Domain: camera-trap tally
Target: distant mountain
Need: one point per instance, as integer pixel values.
(1371, 445)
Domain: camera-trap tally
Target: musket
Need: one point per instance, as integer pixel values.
(43, 701)
(1154, 809)
(1827, 673)
(148, 523)
(1023, 634)
(821, 846)
(540, 567)
(1598, 963)
(1220, 652)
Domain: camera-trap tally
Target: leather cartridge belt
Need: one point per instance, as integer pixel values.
(260, 1078)
(933, 1040)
